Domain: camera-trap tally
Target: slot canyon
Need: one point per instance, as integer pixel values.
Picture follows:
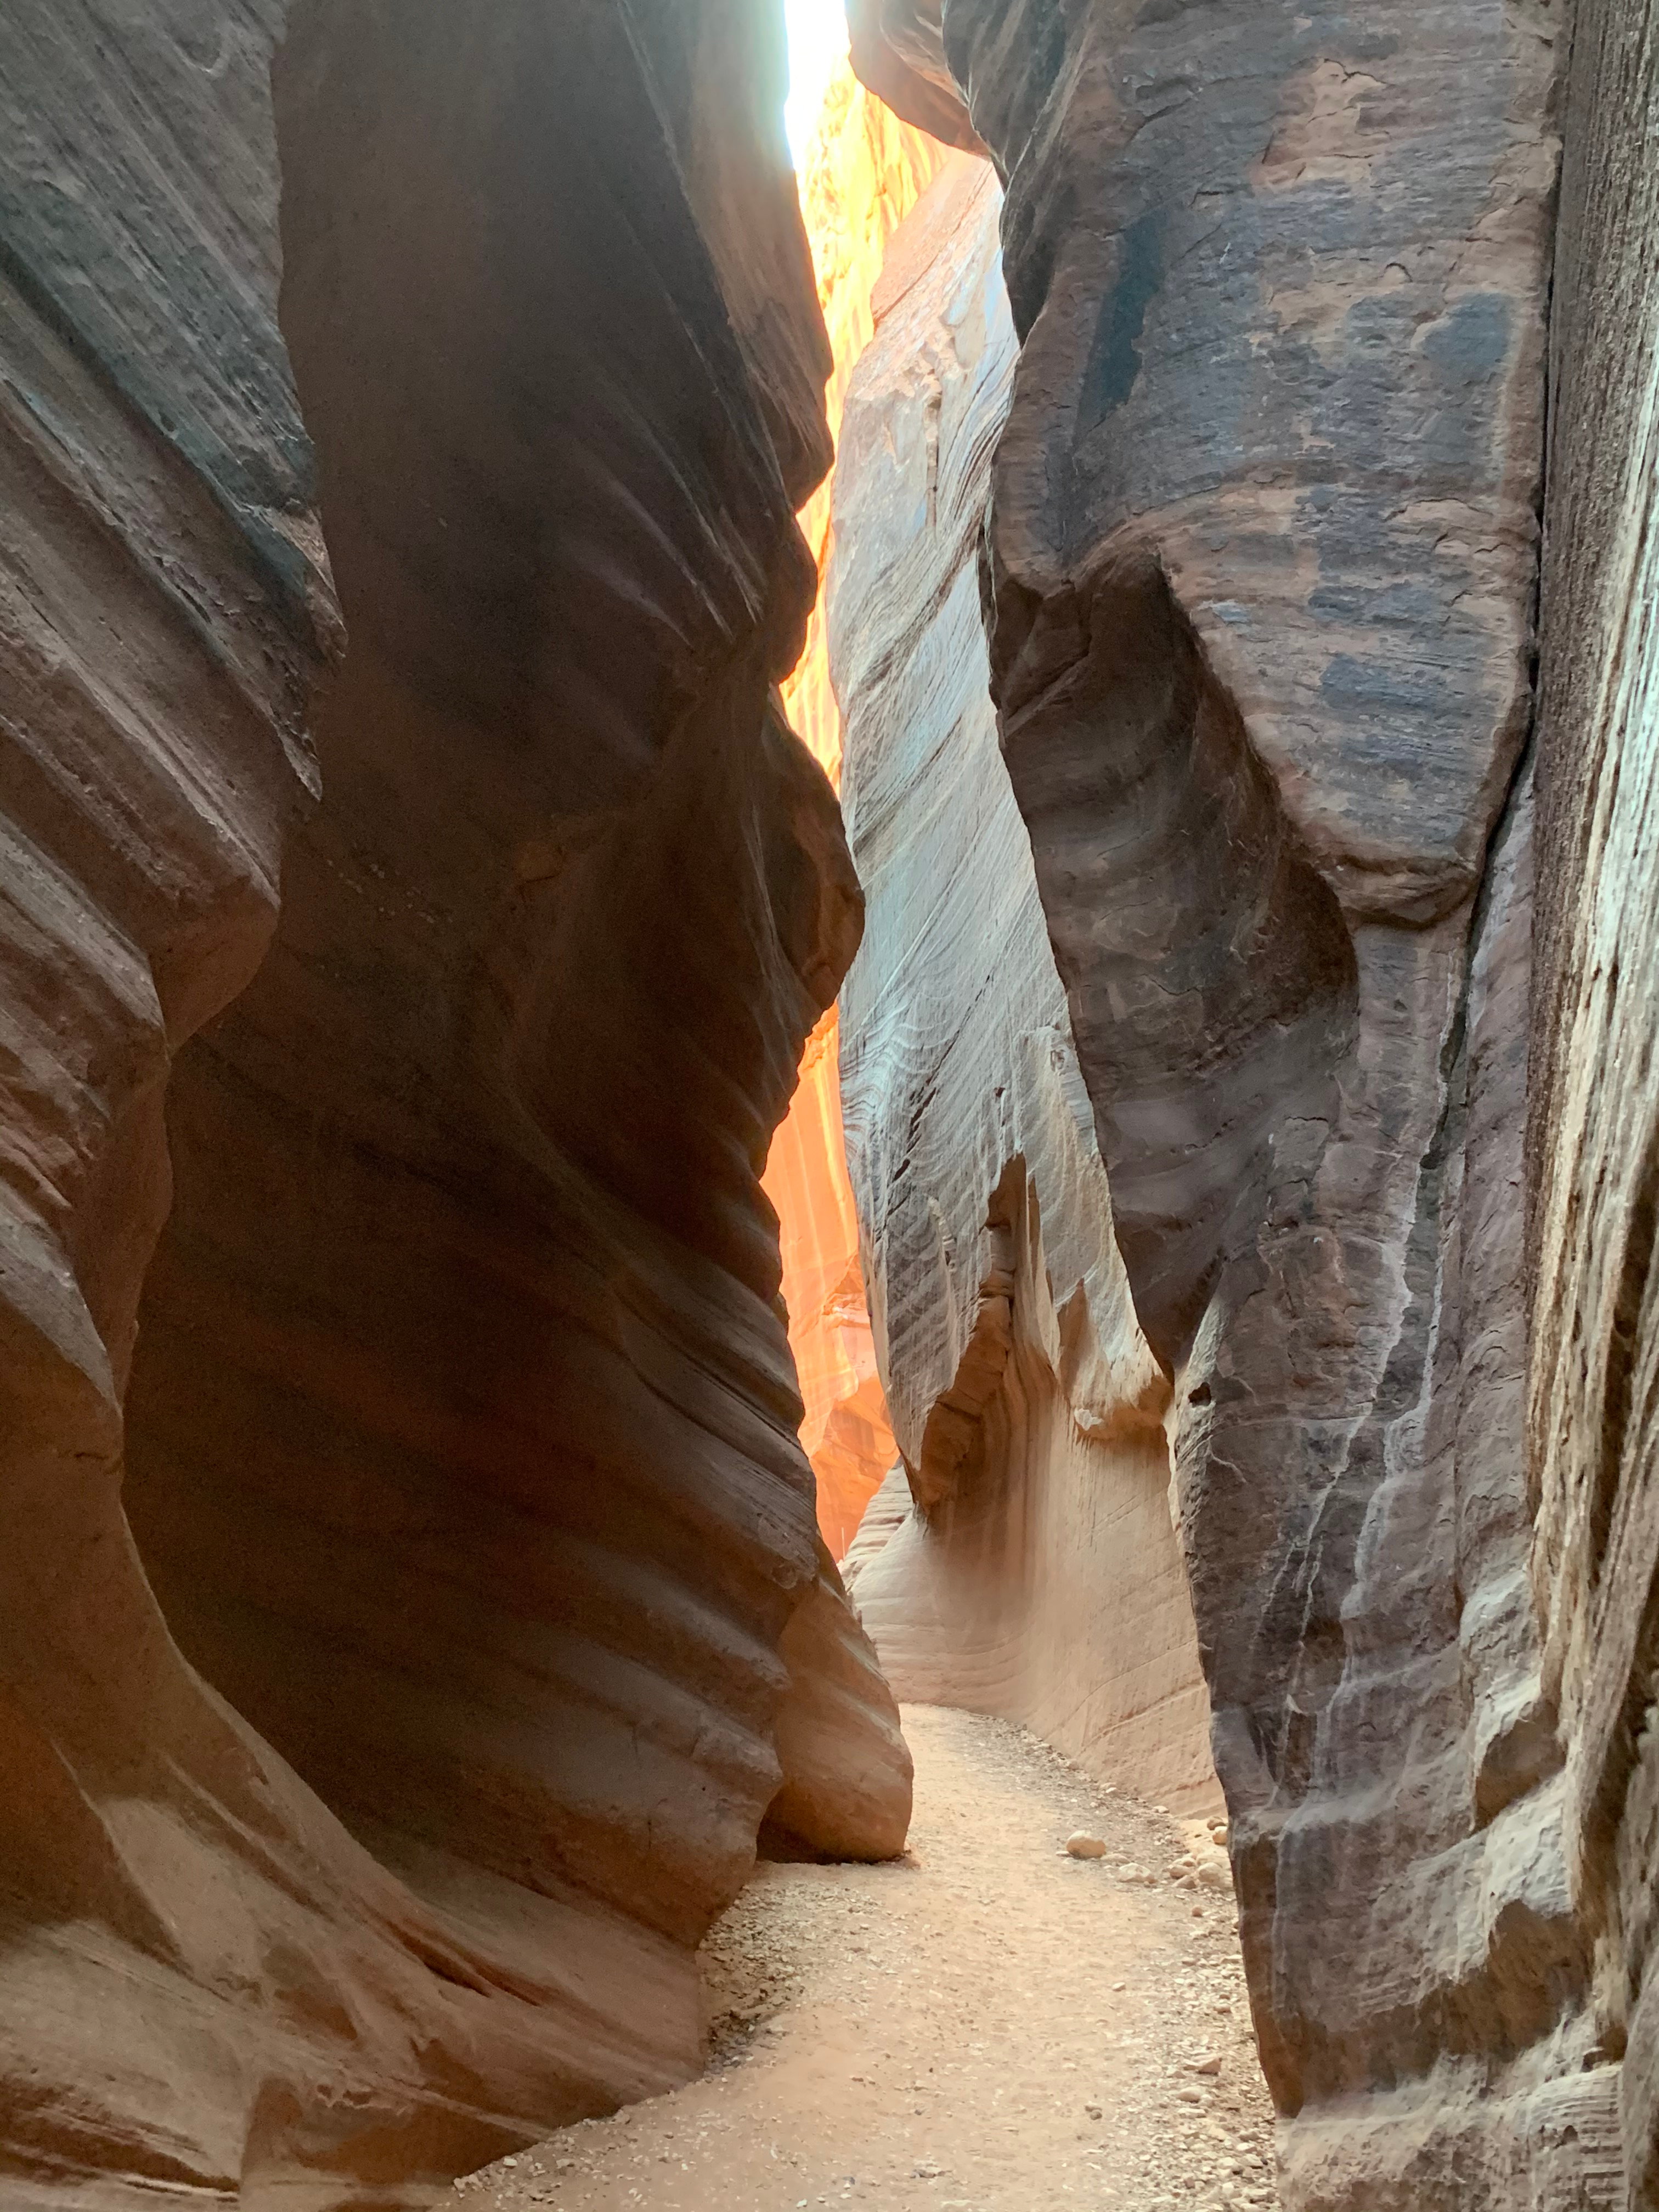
(828, 1352)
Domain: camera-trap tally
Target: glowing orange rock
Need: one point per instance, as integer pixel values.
(846, 1429)
(864, 172)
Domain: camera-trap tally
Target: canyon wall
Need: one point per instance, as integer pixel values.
(459, 1439)
(1022, 1560)
(859, 178)
(1260, 576)
(1594, 1185)
(411, 1610)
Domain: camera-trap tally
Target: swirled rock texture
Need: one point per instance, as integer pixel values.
(1026, 1564)
(459, 1442)
(1260, 574)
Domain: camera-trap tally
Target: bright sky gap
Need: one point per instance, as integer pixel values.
(817, 40)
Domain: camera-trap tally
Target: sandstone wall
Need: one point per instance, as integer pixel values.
(460, 1443)
(1022, 1559)
(1259, 577)
(1593, 1184)
(860, 176)
(897, 49)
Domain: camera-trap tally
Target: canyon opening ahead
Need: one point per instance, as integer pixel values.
(829, 973)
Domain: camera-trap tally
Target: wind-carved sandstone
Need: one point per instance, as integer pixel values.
(457, 1421)
(1022, 1559)
(460, 1441)
(862, 172)
(1594, 1138)
(1260, 574)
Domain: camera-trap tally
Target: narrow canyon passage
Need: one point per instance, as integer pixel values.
(810, 916)
(989, 2025)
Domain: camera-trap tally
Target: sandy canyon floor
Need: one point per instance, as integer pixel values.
(988, 2026)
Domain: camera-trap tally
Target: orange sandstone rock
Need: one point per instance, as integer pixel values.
(863, 173)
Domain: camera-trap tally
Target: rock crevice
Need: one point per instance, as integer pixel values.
(1022, 1560)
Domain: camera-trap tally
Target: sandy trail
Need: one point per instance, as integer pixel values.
(995, 2027)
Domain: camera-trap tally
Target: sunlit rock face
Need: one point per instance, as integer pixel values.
(460, 1439)
(861, 175)
(1260, 571)
(847, 1769)
(1023, 1560)
(844, 1428)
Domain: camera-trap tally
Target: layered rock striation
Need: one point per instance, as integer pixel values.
(412, 1610)
(1593, 1186)
(860, 176)
(459, 1443)
(1022, 1560)
(897, 47)
(1260, 573)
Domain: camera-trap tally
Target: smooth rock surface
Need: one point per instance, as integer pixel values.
(1033, 1569)
(1260, 572)
(897, 48)
(1595, 1129)
(185, 1929)
(860, 176)
(459, 1443)
(846, 1792)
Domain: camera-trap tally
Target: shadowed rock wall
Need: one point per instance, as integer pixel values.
(460, 1440)
(1259, 579)
(1022, 1559)
(897, 48)
(1593, 1184)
